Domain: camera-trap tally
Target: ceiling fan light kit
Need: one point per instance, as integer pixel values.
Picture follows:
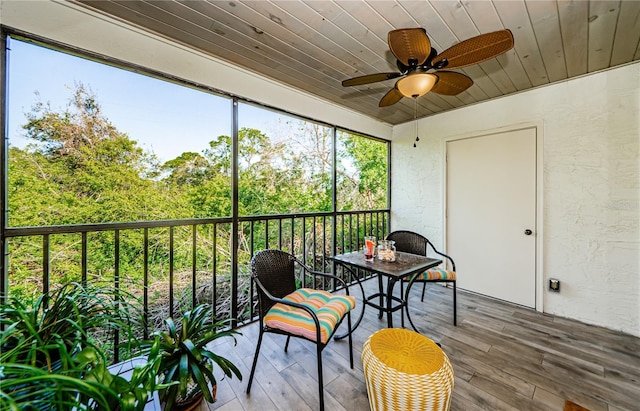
(420, 66)
(416, 84)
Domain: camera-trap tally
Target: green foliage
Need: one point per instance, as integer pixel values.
(25, 387)
(49, 356)
(83, 166)
(41, 332)
(184, 354)
(79, 168)
(370, 188)
(129, 394)
(273, 179)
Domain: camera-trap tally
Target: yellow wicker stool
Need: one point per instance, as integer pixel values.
(406, 371)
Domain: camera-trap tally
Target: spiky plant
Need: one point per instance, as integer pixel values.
(186, 356)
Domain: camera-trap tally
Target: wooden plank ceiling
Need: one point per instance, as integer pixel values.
(314, 45)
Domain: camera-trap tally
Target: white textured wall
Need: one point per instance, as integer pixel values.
(66, 23)
(590, 188)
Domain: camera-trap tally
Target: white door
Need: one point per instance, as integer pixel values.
(491, 205)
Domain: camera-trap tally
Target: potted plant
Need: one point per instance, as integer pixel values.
(186, 364)
(62, 320)
(49, 356)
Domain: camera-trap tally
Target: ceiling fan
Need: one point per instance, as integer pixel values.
(421, 67)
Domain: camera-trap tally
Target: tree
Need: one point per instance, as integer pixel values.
(80, 169)
(366, 187)
(273, 179)
(86, 166)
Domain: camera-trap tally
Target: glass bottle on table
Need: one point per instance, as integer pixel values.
(387, 250)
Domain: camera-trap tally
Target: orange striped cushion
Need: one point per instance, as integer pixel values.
(329, 309)
(437, 274)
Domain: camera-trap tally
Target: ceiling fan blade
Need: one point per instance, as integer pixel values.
(451, 83)
(392, 97)
(409, 44)
(477, 49)
(370, 78)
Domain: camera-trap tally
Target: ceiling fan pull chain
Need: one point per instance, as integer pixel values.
(415, 118)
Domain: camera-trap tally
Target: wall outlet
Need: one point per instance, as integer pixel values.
(554, 285)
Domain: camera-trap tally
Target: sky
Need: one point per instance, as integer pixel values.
(165, 118)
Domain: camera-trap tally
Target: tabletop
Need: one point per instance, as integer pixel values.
(404, 265)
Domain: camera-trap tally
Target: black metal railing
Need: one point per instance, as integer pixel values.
(172, 265)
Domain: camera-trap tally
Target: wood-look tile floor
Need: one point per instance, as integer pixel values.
(505, 357)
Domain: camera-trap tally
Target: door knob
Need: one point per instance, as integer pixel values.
(528, 232)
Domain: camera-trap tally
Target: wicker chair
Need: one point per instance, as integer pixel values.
(306, 313)
(414, 243)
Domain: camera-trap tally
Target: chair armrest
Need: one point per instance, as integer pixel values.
(453, 265)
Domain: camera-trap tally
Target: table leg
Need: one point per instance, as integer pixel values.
(381, 297)
(404, 302)
(390, 284)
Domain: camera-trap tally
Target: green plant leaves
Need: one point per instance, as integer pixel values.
(24, 385)
(184, 355)
(50, 361)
